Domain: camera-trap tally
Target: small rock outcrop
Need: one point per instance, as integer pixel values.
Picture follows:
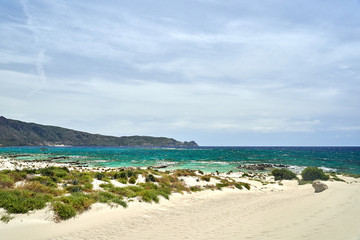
(319, 186)
(262, 166)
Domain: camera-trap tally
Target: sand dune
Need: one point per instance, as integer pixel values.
(294, 213)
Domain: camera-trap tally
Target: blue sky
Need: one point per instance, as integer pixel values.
(272, 72)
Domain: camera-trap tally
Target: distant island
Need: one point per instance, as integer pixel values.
(18, 133)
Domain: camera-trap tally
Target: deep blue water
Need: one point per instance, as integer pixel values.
(340, 159)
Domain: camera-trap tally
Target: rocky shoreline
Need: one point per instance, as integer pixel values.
(262, 166)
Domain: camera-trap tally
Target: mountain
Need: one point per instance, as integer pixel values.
(17, 133)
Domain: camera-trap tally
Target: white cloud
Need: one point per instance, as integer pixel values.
(219, 67)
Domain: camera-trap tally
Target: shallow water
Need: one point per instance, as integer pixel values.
(223, 159)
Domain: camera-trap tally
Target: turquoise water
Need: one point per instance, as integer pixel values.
(223, 159)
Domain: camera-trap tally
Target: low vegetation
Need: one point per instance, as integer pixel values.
(313, 173)
(352, 175)
(6, 181)
(69, 193)
(302, 182)
(334, 177)
(240, 185)
(6, 218)
(22, 201)
(281, 174)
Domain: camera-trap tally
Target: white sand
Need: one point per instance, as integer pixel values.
(292, 212)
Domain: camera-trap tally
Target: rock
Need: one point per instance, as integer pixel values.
(58, 158)
(319, 186)
(262, 166)
(159, 166)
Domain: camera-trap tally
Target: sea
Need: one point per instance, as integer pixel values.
(208, 159)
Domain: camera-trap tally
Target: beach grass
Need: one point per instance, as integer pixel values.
(69, 193)
(302, 182)
(6, 218)
(353, 175)
(240, 185)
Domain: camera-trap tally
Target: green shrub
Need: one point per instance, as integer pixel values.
(125, 174)
(206, 178)
(99, 176)
(121, 174)
(105, 197)
(22, 201)
(17, 175)
(149, 185)
(88, 187)
(313, 173)
(122, 180)
(131, 173)
(107, 186)
(196, 189)
(150, 178)
(83, 178)
(58, 172)
(129, 191)
(115, 175)
(64, 211)
(132, 180)
(47, 181)
(30, 171)
(281, 174)
(75, 181)
(74, 189)
(79, 201)
(6, 181)
(40, 188)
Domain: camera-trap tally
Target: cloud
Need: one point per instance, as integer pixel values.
(157, 68)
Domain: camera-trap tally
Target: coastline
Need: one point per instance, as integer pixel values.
(270, 211)
(209, 159)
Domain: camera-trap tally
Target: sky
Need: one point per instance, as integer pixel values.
(221, 73)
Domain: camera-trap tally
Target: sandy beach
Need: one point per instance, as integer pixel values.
(290, 211)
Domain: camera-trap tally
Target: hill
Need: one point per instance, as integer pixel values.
(17, 133)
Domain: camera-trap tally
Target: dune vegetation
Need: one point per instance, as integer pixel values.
(69, 193)
(72, 192)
